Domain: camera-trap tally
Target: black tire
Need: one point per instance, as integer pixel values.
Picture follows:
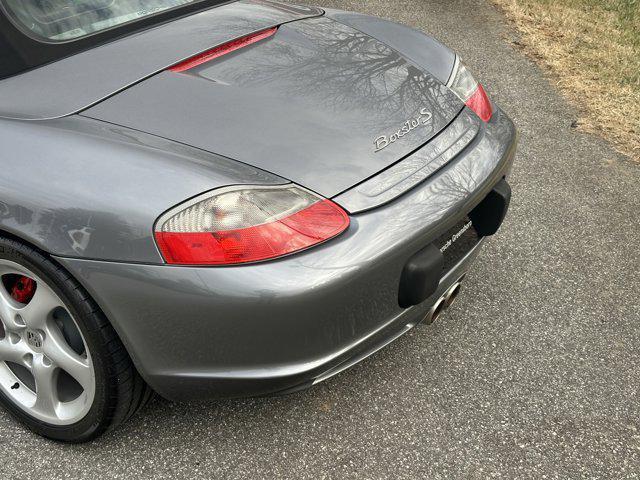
(120, 391)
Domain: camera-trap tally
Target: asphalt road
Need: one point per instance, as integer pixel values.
(534, 373)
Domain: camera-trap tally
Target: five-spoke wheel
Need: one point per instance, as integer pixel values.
(64, 372)
(45, 366)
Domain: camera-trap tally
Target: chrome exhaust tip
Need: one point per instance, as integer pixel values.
(435, 311)
(452, 294)
(445, 301)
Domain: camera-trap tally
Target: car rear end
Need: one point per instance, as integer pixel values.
(287, 323)
(400, 152)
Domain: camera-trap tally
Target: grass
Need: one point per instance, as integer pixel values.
(591, 48)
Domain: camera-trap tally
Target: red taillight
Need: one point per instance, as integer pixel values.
(247, 224)
(470, 92)
(223, 49)
(479, 103)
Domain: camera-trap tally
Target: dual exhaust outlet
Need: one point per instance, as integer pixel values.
(445, 301)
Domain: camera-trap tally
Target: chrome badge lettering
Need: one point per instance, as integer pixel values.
(423, 119)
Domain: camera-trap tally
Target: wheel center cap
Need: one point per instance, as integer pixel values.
(35, 339)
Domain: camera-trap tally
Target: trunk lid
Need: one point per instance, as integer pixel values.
(318, 103)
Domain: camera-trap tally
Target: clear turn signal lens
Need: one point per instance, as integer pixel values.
(470, 92)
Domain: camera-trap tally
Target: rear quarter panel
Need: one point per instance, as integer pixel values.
(82, 188)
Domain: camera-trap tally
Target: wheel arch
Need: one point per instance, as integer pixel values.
(116, 388)
(23, 237)
(87, 290)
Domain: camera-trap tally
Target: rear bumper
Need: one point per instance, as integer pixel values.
(281, 325)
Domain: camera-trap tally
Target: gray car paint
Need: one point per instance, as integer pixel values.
(304, 104)
(74, 83)
(423, 163)
(270, 326)
(102, 168)
(88, 192)
(422, 50)
(82, 188)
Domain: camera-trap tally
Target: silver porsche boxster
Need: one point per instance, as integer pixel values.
(202, 198)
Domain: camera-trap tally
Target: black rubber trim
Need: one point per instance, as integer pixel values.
(420, 276)
(489, 214)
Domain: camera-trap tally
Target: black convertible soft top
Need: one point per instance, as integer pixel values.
(20, 52)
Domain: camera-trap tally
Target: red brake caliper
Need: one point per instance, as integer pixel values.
(23, 290)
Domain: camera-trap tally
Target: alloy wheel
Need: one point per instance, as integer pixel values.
(45, 365)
